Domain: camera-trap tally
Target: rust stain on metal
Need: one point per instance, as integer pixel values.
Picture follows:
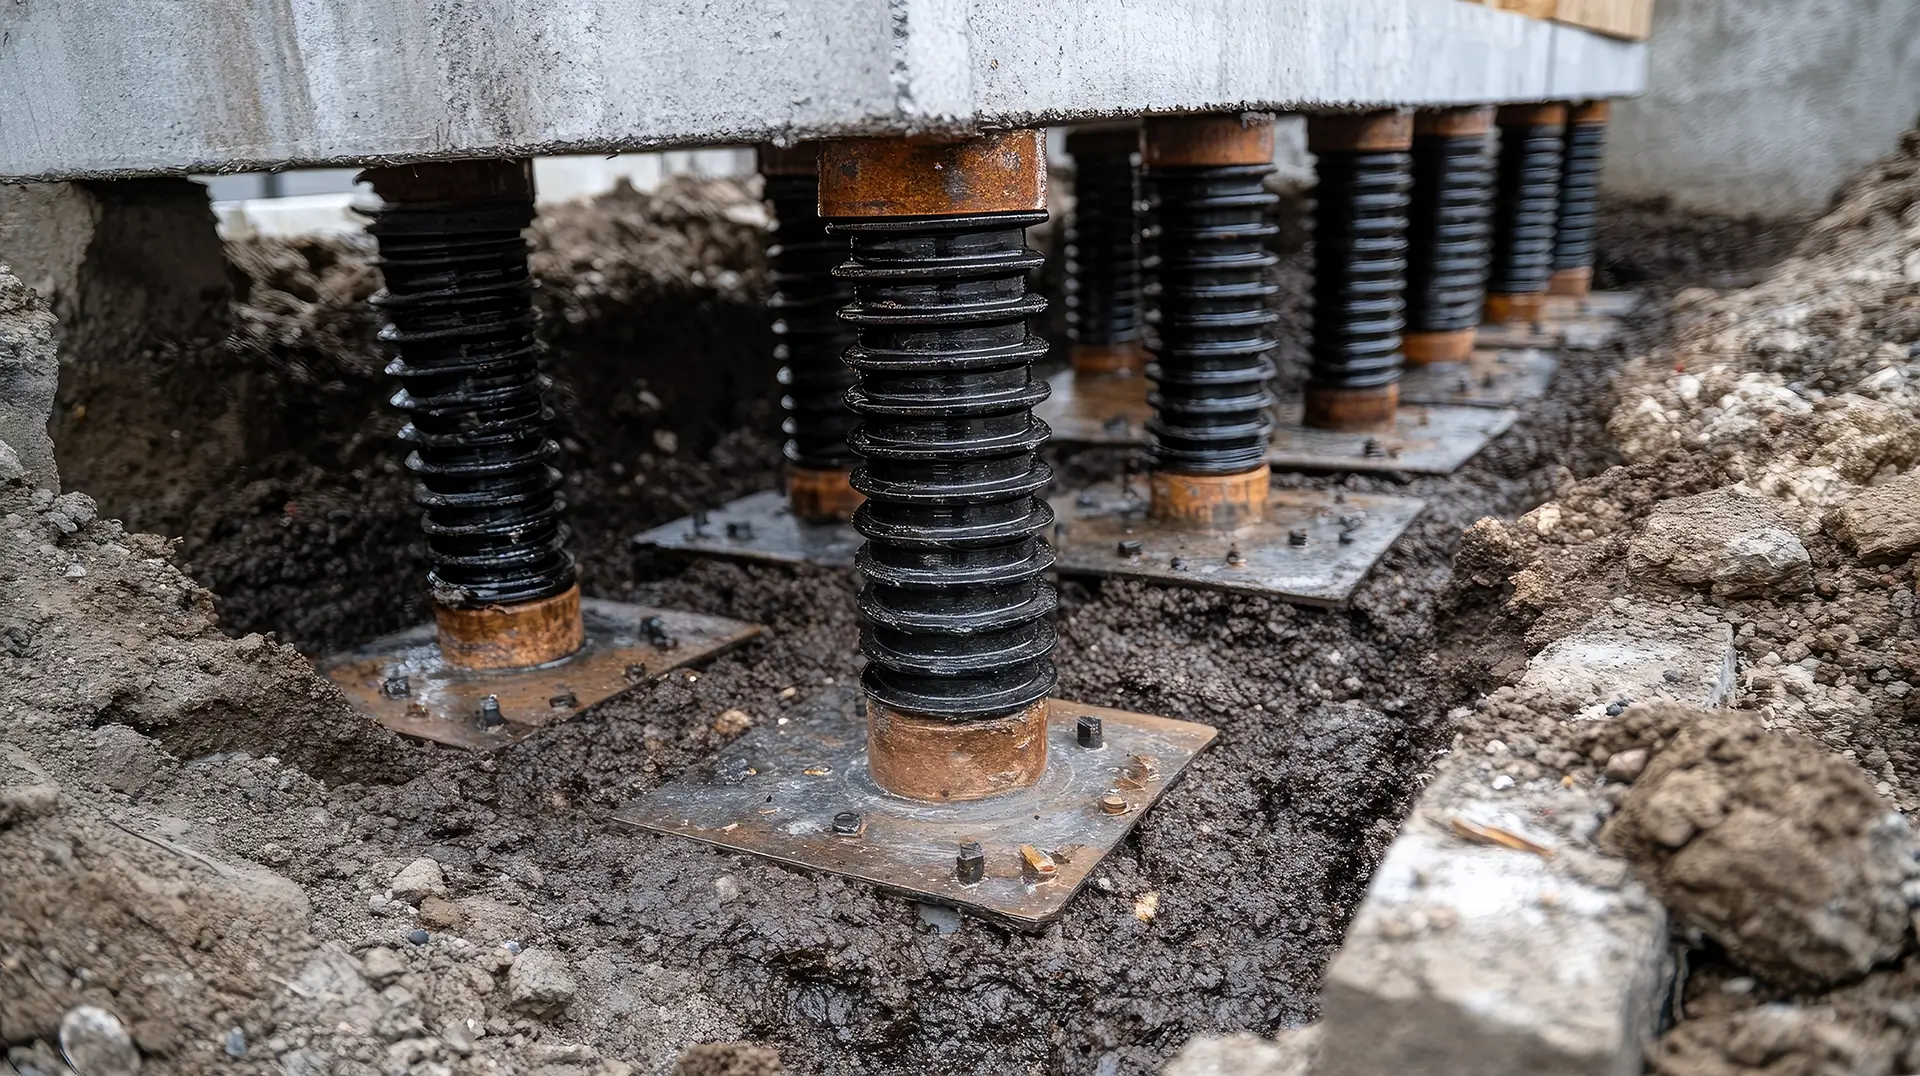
(1363, 132)
(406, 683)
(1207, 141)
(1454, 122)
(941, 761)
(1003, 172)
(1038, 865)
(1531, 115)
(511, 636)
(1423, 348)
(822, 496)
(908, 846)
(1351, 410)
(1209, 502)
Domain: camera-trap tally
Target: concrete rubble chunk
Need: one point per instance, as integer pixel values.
(1540, 954)
(419, 880)
(539, 983)
(1765, 563)
(1683, 540)
(1881, 522)
(29, 376)
(1290, 1053)
(95, 1043)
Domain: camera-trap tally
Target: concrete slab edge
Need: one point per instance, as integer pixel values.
(1539, 954)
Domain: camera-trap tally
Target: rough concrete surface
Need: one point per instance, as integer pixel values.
(1765, 106)
(136, 90)
(29, 378)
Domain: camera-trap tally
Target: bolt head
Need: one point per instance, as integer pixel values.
(1089, 732)
(1113, 803)
(490, 715)
(741, 530)
(970, 866)
(1297, 537)
(1129, 547)
(396, 687)
(636, 671)
(566, 701)
(849, 824)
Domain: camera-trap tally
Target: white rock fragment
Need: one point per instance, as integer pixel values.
(539, 983)
(419, 880)
(1768, 562)
(95, 1043)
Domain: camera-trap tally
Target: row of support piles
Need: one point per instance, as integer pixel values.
(900, 275)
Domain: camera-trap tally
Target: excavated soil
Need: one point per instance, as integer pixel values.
(554, 942)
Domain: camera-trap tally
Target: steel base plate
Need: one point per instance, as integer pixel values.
(775, 793)
(442, 703)
(1491, 377)
(1582, 324)
(758, 526)
(1098, 409)
(1092, 526)
(1424, 440)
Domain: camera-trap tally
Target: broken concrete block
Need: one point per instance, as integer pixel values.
(29, 377)
(1681, 544)
(1881, 522)
(539, 983)
(1765, 563)
(1636, 653)
(1497, 938)
(419, 880)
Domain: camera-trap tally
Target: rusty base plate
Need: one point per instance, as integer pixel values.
(1096, 409)
(1424, 440)
(1346, 533)
(404, 683)
(776, 792)
(1491, 377)
(758, 526)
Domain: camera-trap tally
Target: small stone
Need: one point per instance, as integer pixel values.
(95, 1043)
(1768, 562)
(382, 965)
(235, 1042)
(420, 879)
(1625, 766)
(732, 722)
(439, 913)
(726, 888)
(1502, 783)
(75, 571)
(539, 983)
(417, 936)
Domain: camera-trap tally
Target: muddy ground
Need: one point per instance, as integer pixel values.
(164, 762)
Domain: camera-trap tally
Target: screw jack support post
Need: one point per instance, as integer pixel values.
(809, 523)
(513, 646)
(1584, 147)
(969, 785)
(1526, 204)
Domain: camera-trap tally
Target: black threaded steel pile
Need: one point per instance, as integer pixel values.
(460, 300)
(806, 304)
(1359, 267)
(1584, 146)
(1526, 201)
(1450, 231)
(1103, 249)
(1209, 263)
(957, 615)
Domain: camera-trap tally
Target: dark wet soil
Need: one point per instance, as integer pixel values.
(286, 486)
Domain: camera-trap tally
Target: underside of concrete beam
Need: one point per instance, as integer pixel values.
(110, 88)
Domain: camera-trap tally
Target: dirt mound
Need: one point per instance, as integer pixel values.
(1774, 848)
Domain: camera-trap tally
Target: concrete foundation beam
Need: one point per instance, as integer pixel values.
(1470, 958)
(118, 89)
